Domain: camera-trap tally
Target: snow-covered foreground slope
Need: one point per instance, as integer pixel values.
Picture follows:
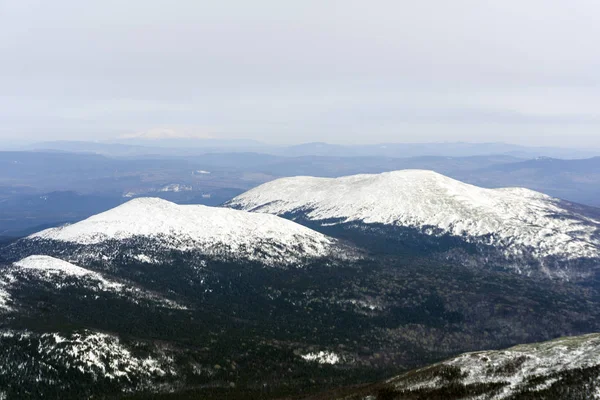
(545, 368)
(43, 272)
(516, 220)
(566, 368)
(84, 359)
(209, 230)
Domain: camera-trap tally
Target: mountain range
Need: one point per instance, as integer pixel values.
(39, 189)
(307, 284)
(522, 230)
(195, 146)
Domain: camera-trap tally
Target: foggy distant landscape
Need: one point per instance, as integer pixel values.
(58, 182)
(299, 200)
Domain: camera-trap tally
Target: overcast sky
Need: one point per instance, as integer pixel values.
(519, 71)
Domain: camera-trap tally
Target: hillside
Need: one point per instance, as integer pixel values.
(565, 368)
(157, 225)
(529, 231)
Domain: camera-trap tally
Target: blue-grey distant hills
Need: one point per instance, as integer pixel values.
(41, 188)
(187, 146)
(575, 180)
(450, 149)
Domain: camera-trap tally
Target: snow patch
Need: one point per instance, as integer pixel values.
(176, 188)
(322, 357)
(99, 355)
(49, 266)
(5, 299)
(145, 259)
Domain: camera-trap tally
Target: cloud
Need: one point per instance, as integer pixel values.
(294, 71)
(166, 133)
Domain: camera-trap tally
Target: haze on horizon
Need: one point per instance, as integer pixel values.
(524, 72)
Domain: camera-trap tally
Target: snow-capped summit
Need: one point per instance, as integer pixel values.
(197, 228)
(515, 219)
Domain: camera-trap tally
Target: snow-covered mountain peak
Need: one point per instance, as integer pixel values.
(197, 227)
(51, 265)
(514, 218)
(389, 194)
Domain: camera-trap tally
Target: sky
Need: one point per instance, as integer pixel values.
(517, 71)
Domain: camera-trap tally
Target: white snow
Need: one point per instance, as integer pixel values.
(55, 271)
(48, 266)
(4, 298)
(536, 360)
(100, 355)
(51, 265)
(144, 258)
(322, 357)
(197, 227)
(91, 350)
(511, 218)
(174, 187)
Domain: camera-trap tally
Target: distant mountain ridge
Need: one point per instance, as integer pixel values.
(575, 180)
(520, 224)
(45, 188)
(190, 146)
(449, 149)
